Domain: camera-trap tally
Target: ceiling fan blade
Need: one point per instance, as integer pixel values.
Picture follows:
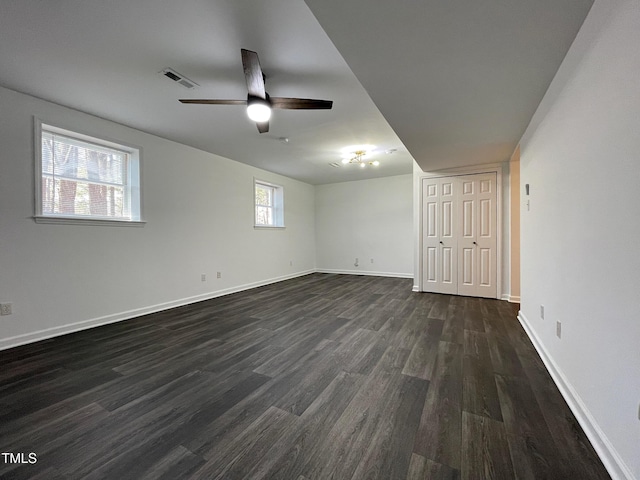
(263, 127)
(300, 103)
(253, 73)
(213, 102)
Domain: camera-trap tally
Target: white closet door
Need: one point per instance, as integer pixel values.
(477, 241)
(460, 235)
(440, 272)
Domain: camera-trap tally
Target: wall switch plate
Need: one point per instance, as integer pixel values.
(203, 277)
(6, 309)
(559, 329)
(542, 311)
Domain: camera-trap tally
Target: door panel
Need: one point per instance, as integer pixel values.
(432, 261)
(485, 218)
(467, 266)
(485, 269)
(432, 222)
(447, 220)
(467, 218)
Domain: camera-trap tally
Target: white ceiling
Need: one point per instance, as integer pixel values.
(457, 80)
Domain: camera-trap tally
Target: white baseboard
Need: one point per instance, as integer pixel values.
(365, 272)
(606, 451)
(39, 335)
(510, 298)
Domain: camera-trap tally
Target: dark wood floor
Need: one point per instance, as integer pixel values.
(320, 377)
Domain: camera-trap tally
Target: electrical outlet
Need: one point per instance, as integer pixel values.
(218, 274)
(542, 312)
(559, 329)
(291, 263)
(203, 277)
(372, 260)
(5, 309)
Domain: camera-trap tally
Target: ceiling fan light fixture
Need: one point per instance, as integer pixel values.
(258, 109)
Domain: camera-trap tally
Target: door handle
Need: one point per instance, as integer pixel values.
(474, 243)
(441, 242)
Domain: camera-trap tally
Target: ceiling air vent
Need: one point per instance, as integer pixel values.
(179, 78)
(335, 165)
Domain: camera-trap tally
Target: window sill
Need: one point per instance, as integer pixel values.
(269, 227)
(88, 221)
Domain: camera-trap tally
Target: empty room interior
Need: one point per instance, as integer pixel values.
(314, 239)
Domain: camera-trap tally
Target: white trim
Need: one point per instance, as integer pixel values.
(510, 298)
(118, 317)
(365, 272)
(454, 172)
(277, 207)
(87, 221)
(134, 184)
(605, 450)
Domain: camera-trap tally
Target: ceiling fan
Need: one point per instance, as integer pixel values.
(258, 102)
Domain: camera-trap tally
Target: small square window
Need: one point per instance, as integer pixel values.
(269, 205)
(81, 178)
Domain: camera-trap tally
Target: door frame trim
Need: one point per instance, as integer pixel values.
(496, 168)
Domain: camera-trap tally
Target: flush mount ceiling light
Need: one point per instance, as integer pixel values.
(358, 154)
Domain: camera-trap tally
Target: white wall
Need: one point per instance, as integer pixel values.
(579, 250)
(199, 213)
(366, 219)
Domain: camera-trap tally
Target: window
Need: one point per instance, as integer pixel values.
(269, 205)
(82, 179)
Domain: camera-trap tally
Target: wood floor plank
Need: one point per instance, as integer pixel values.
(485, 451)
(317, 421)
(240, 456)
(479, 392)
(390, 447)
(439, 434)
(422, 468)
(422, 360)
(350, 434)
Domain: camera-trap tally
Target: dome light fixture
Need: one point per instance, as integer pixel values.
(258, 109)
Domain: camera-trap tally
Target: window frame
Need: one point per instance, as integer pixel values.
(133, 186)
(278, 204)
